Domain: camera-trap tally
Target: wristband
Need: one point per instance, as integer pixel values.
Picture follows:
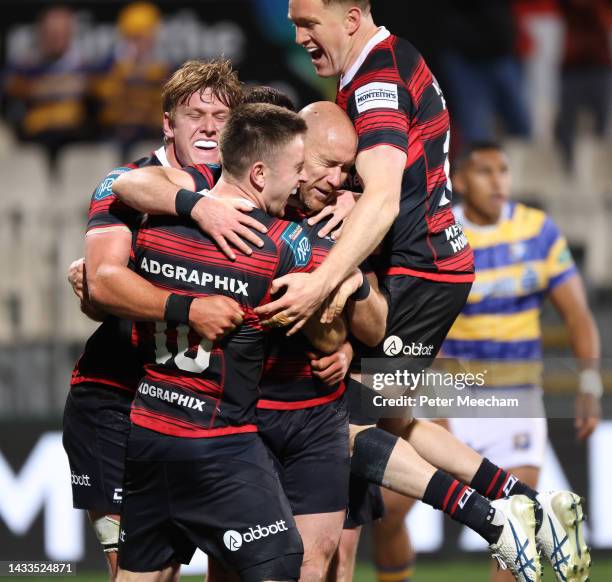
(363, 292)
(177, 307)
(185, 201)
(589, 382)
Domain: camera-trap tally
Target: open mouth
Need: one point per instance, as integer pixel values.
(315, 53)
(205, 144)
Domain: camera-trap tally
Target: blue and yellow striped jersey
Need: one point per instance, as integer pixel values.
(518, 262)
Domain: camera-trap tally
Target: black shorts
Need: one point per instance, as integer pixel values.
(96, 430)
(421, 313)
(365, 503)
(307, 444)
(219, 494)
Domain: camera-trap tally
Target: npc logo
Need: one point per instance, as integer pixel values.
(394, 346)
(232, 540)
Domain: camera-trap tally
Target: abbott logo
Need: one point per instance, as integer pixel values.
(394, 346)
(80, 480)
(232, 540)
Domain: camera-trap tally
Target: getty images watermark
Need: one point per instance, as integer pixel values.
(409, 381)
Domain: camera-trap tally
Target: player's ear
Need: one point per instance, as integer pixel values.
(258, 174)
(352, 19)
(167, 126)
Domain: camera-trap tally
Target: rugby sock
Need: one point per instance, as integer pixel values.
(402, 573)
(493, 482)
(463, 504)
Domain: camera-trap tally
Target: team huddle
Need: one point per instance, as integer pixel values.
(239, 282)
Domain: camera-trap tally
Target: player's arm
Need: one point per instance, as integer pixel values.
(367, 317)
(570, 300)
(169, 191)
(381, 169)
(78, 282)
(326, 337)
(120, 291)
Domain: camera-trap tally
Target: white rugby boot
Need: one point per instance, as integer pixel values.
(561, 536)
(516, 548)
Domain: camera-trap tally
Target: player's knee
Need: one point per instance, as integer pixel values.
(285, 569)
(319, 555)
(371, 452)
(106, 528)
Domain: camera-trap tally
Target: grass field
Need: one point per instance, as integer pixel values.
(463, 571)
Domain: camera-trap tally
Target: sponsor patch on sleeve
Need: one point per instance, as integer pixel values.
(375, 96)
(105, 187)
(296, 239)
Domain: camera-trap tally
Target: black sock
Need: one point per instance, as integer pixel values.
(495, 483)
(463, 504)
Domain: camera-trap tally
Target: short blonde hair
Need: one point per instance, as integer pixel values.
(197, 76)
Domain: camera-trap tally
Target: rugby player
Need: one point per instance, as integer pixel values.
(521, 259)
(294, 401)
(216, 480)
(196, 102)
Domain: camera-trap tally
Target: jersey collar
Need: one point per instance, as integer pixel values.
(381, 35)
(459, 213)
(160, 154)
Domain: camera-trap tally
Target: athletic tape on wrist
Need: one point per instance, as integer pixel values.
(185, 201)
(363, 292)
(177, 309)
(589, 382)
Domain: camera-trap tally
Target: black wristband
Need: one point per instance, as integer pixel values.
(177, 309)
(185, 201)
(363, 292)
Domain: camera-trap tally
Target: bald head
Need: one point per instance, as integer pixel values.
(329, 149)
(326, 121)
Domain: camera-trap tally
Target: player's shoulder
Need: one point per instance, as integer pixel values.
(290, 238)
(105, 186)
(524, 215)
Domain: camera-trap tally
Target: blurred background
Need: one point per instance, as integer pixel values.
(80, 85)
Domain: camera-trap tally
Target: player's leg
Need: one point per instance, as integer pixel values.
(321, 535)
(164, 575)
(342, 567)
(96, 427)
(394, 555)
(106, 528)
(507, 525)
(307, 444)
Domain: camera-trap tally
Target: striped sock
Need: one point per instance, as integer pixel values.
(495, 483)
(402, 573)
(463, 504)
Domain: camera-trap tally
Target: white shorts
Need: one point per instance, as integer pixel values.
(507, 442)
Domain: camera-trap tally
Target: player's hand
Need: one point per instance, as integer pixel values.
(338, 211)
(334, 304)
(303, 296)
(332, 369)
(215, 316)
(227, 222)
(76, 277)
(588, 415)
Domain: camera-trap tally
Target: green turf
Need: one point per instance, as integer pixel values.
(460, 571)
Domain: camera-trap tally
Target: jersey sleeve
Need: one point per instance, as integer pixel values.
(295, 251)
(204, 176)
(559, 262)
(381, 113)
(106, 210)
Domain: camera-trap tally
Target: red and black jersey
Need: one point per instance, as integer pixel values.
(192, 388)
(393, 99)
(288, 382)
(109, 357)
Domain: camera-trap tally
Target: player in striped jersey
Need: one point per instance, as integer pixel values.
(521, 260)
(196, 102)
